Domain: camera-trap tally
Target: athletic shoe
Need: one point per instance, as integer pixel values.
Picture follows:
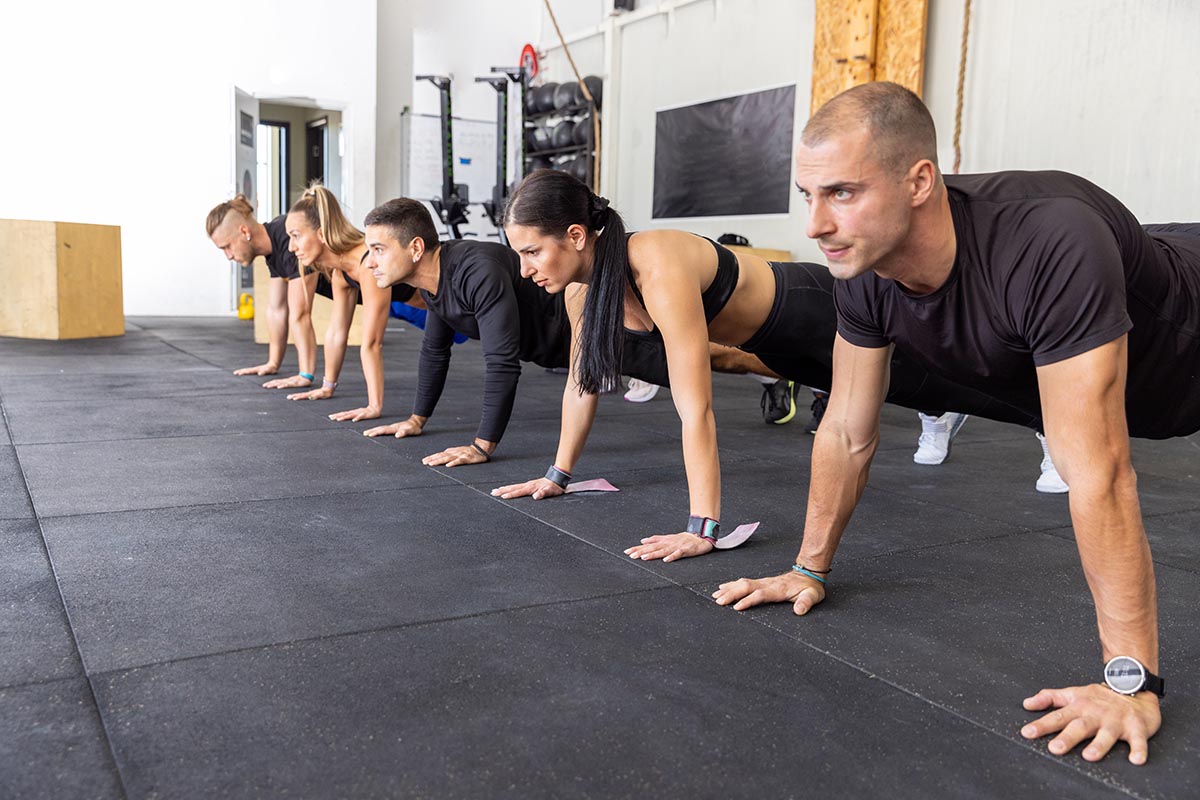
(641, 391)
(1049, 481)
(779, 401)
(820, 400)
(937, 434)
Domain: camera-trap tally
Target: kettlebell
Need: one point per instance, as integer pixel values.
(245, 306)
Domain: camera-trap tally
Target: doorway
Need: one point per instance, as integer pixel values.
(316, 140)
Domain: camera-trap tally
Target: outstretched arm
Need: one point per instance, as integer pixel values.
(578, 413)
(341, 314)
(841, 460)
(376, 304)
(1083, 404)
(299, 308)
(275, 310)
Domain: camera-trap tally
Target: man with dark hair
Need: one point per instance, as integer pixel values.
(1038, 289)
(473, 287)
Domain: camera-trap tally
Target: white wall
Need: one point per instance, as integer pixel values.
(126, 119)
(1103, 88)
(393, 94)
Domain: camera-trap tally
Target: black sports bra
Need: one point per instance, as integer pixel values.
(718, 292)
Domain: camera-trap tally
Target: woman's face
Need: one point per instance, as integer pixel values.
(552, 262)
(305, 241)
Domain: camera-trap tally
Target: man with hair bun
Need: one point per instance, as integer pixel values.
(1038, 289)
(233, 229)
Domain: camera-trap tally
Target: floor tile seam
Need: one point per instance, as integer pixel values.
(172, 436)
(4, 687)
(1027, 745)
(1067, 534)
(171, 345)
(348, 492)
(398, 626)
(66, 616)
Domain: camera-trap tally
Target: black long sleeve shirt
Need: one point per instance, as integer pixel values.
(481, 294)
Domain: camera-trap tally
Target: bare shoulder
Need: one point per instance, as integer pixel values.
(663, 246)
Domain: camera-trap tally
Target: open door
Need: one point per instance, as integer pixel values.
(245, 176)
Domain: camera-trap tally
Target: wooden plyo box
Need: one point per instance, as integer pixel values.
(62, 280)
(320, 311)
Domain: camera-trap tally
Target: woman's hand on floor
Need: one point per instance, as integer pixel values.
(670, 547)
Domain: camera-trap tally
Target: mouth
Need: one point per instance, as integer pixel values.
(834, 253)
(542, 283)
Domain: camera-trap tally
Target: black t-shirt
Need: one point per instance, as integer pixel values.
(281, 262)
(1048, 266)
(481, 294)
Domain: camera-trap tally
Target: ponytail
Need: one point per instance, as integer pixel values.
(323, 213)
(552, 201)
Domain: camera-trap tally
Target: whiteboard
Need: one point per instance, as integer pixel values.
(474, 164)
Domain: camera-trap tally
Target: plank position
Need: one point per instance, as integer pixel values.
(1038, 289)
(686, 292)
(233, 229)
(476, 288)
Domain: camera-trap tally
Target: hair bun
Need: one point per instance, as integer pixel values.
(599, 211)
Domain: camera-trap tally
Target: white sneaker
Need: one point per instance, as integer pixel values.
(641, 391)
(937, 433)
(1049, 481)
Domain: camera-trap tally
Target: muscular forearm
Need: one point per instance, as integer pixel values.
(277, 331)
(335, 351)
(306, 341)
(703, 464)
(371, 355)
(1116, 562)
(839, 473)
(578, 413)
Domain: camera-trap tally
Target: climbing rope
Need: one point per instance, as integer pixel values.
(962, 75)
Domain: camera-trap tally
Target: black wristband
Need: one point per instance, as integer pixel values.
(559, 477)
(704, 527)
(481, 451)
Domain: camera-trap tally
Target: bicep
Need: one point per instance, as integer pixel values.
(376, 306)
(678, 315)
(1083, 407)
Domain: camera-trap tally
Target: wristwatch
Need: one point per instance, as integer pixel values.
(1127, 675)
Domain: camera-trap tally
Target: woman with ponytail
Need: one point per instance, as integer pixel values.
(687, 291)
(323, 240)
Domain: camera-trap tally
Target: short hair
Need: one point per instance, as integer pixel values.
(238, 205)
(405, 219)
(900, 125)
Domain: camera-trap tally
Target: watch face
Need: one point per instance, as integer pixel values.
(1124, 674)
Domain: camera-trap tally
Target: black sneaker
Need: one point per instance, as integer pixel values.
(820, 400)
(779, 401)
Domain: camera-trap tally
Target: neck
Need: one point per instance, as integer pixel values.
(260, 240)
(922, 264)
(427, 273)
(588, 258)
(347, 262)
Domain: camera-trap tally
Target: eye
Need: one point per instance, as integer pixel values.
(842, 194)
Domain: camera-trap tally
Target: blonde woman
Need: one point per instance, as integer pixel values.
(323, 240)
(233, 229)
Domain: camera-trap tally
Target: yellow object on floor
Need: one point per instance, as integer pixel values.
(245, 306)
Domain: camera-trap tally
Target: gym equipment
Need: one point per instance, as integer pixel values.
(245, 308)
(566, 95)
(452, 205)
(495, 206)
(596, 87)
(540, 162)
(542, 139)
(561, 135)
(579, 168)
(545, 96)
(581, 131)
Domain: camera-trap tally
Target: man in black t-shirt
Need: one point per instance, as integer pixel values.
(1038, 289)
(233, 229)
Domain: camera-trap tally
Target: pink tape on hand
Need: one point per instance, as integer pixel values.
(737, 536)
(596, 485)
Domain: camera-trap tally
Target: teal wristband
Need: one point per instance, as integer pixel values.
(308, 377)
(807, 574)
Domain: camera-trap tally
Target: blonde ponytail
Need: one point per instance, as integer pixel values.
(320, 207)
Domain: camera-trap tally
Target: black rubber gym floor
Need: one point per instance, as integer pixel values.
(209, 591)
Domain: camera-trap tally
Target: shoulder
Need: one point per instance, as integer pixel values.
(663, 246)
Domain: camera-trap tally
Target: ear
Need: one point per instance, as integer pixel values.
(416, 249)
(923, 179)
(577, 236)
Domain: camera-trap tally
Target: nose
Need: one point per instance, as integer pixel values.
(820, 221)
(527, 270)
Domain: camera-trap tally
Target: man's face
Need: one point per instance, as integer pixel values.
(858, 208)
(234, 241)
(388, 261)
